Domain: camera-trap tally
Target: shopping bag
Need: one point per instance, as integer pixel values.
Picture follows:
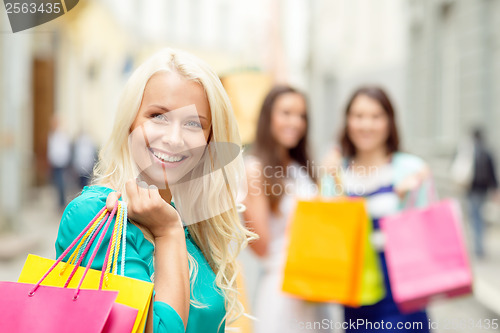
(36, 308)
(328, 243)
(121, 319)
(426, 254)
(52, 309)
(134, 294)
(372, 279)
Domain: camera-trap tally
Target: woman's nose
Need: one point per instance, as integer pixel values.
(173, 136)
(366, 123)
(297, 121)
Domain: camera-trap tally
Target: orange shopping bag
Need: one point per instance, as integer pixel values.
(327, 240)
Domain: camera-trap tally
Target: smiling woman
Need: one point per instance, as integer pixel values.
(174, 118)
(171, 129)
(373, 167)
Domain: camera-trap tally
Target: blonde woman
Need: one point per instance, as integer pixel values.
(174, 139)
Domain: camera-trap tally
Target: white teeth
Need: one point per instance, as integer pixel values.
(167, 158)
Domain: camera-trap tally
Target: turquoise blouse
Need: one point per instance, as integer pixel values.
(139, 265)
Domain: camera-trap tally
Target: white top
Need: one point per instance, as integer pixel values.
(84, 155)
(59, 149)
(296, 185)
(369, 185)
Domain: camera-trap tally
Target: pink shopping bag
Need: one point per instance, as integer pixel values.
(426, 255)
(53, 309)
(121, 319)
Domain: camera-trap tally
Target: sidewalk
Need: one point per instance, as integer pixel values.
(36, 233)
(484, 304)
(487, 271)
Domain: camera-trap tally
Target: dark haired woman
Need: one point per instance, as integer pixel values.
(375, 168)
(278, 170)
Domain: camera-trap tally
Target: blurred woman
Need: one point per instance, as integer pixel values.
(278, 170)
(373, 167)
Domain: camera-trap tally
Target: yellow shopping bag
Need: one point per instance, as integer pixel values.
(328, 252)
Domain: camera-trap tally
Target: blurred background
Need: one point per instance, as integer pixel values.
(438, 59)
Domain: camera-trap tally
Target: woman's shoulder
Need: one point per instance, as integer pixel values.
(253, 166)
(79, 212)
(89, 199)
(252, 161)
(406, 164)
(94, 191)
(407, 160)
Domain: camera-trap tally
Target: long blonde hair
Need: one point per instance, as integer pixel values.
(221, 235)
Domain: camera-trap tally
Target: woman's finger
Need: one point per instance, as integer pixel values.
(143, 190)
(154, 193)
(111, 200)
(131, 188)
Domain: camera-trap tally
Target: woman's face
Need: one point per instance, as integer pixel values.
(367, 124)
(171, 129)
(288, 119)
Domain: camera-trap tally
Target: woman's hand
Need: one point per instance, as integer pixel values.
(147, 207)
(412, 182)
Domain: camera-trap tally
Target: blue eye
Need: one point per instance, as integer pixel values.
(159, 116)
(193, 124)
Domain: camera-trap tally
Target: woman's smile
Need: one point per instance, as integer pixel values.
(167, 159)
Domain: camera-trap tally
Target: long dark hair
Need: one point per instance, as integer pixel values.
(265, 146)
(378, 94)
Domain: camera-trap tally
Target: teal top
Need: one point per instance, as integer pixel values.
(139, 265)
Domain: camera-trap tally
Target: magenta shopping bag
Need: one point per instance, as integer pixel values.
(53, 309)
(121, 319)
(426, 255)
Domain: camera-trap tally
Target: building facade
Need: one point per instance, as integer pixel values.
(453, 81)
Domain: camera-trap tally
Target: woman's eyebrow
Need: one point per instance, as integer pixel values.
(160, 107)
(199, 117)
